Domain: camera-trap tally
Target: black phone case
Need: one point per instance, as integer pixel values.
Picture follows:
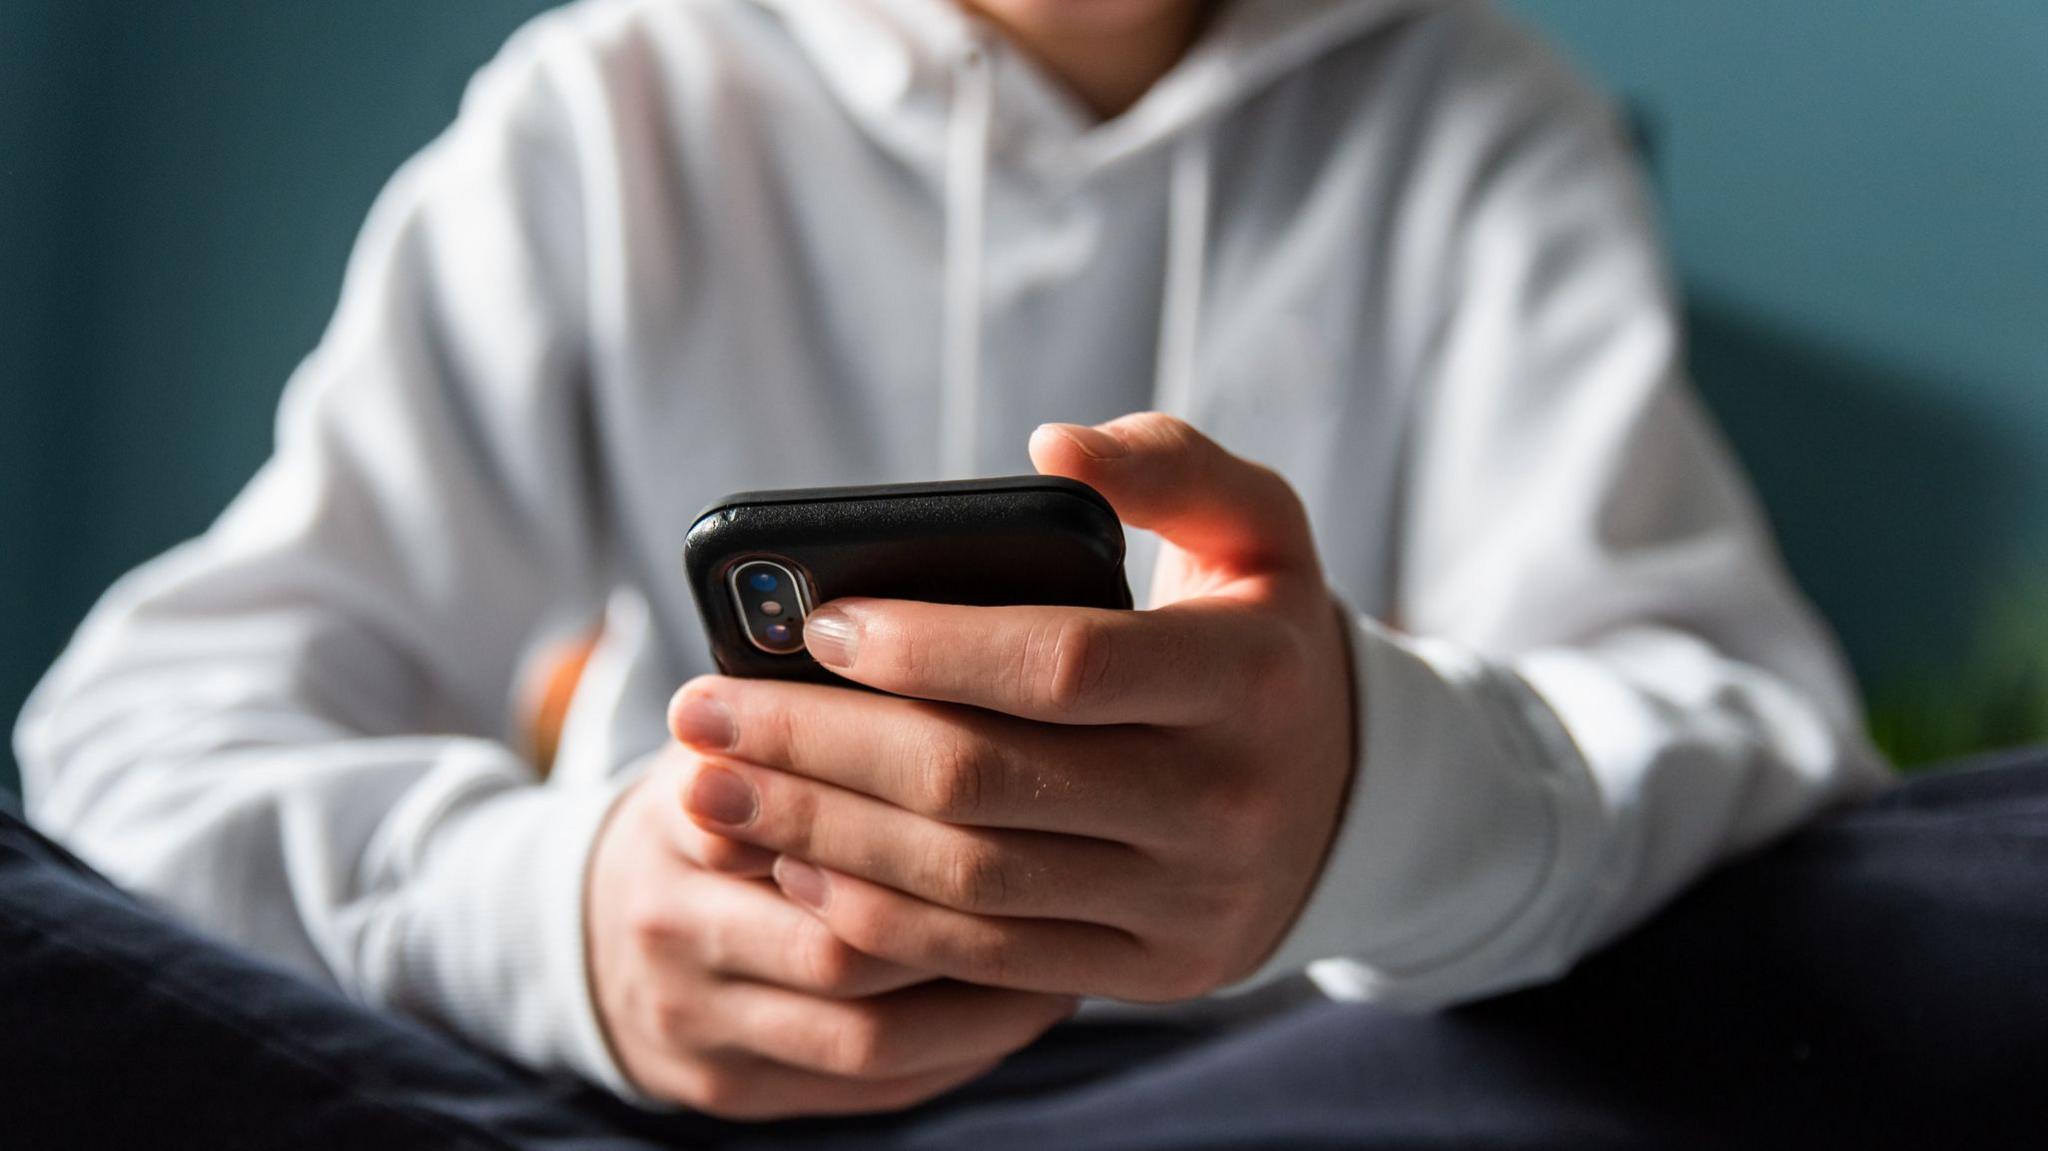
(1017, 540)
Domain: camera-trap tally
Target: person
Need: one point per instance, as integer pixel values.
(1467, 647)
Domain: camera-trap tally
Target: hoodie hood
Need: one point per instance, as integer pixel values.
(934, 85)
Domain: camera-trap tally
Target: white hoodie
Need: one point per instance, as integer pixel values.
(673, 248)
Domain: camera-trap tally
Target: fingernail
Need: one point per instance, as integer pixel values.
(722, 797)
(832, 637)
(702, 721)
(801, 882)
(1093, 442)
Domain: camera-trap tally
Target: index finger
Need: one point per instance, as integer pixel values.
(1177, 666)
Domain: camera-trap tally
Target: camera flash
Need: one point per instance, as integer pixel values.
(770, 607)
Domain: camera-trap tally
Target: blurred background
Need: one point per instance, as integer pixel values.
(1857, 194)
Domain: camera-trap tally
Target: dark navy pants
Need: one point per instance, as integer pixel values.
(1879, 980)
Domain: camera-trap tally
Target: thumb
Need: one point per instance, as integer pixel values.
(1162, 475)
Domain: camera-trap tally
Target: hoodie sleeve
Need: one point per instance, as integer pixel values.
(236, 730)
(1596, 681)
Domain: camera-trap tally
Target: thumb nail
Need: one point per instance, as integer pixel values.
(1094, 442)
(832, 637)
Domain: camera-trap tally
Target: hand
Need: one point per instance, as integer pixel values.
(719, 994)
(1126, 804)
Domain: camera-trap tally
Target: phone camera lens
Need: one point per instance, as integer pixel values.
(769, 593)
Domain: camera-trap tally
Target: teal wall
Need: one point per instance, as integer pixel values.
(1854, 189)
(179, 188)
(1857, 194)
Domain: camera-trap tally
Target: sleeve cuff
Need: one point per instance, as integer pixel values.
(1470, 814)
(492, 942)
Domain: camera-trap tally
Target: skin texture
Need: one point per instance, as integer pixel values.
(1108, 52)
(1055, 802)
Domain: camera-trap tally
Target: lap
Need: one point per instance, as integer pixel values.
(119, 1027)
(1874, 980)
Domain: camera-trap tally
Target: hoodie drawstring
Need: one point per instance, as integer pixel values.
(1187, 259)
(966, 207)
(968, 133)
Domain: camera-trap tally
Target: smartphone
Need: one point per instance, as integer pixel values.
(759, 562)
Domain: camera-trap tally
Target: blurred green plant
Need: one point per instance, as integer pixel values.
(1997, 699)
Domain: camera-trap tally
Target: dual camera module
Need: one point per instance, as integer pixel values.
(772, 602)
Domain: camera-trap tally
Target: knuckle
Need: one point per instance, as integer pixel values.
(1279, 494)
(990, 956)
(778, 734)
(1280, 508)
(857, 1046)
(1238, 816)
(1284, 500)
(950, 792)
(673, 1018)
(963, 776)
(1202, 974)
(1077, 664)
(972, 876)
(647, 920)
(1168, 431)
(1211, 904)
